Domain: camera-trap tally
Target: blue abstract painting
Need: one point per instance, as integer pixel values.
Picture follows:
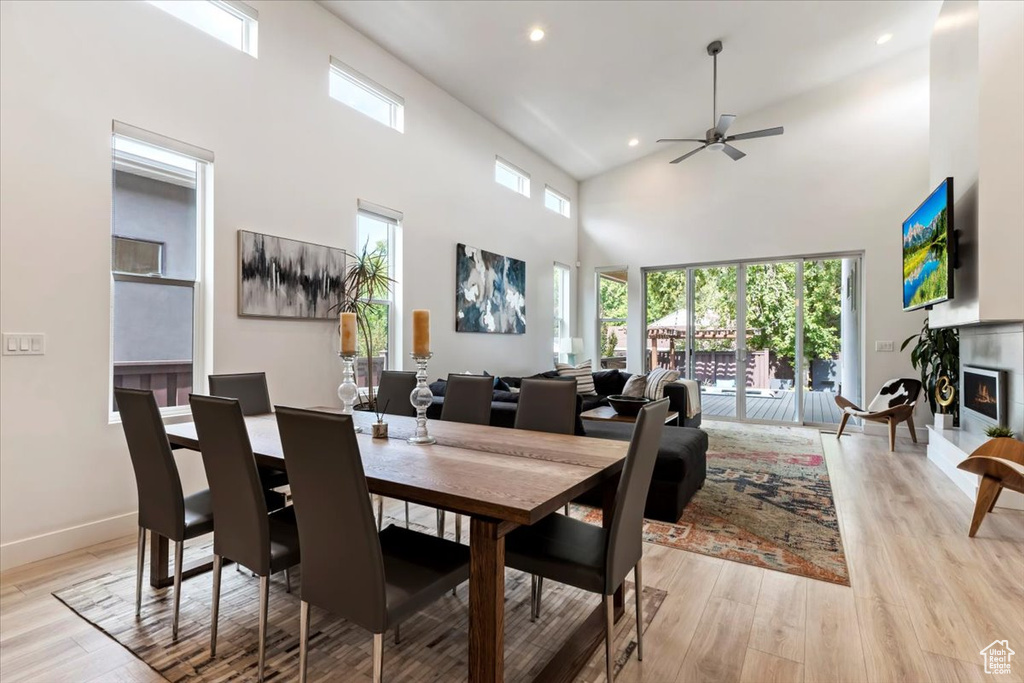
(490, 292)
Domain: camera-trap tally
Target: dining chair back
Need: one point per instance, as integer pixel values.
(467, 399)
(238, 504)
(625, 535)
(547, 405)
(342, 567)
(372, 579)
(393, 392)
(250, 388)
(163, 509)
(161, 503)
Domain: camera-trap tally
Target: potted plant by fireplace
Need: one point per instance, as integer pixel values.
(936, 355)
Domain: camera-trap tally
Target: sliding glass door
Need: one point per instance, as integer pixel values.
(768, 341)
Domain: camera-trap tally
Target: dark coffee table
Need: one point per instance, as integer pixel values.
(608, 414)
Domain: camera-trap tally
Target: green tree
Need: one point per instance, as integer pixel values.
(613, 298)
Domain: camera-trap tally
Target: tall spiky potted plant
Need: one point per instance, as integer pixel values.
(366, 278)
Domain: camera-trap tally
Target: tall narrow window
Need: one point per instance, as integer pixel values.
(612, 306)
(377, 241)
(365, 96)
(562, 342)
(512, 177)
(556, 201)
(234, 23)
(159, 195)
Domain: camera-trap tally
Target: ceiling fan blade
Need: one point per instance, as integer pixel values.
(680, 140)
(724, 121)
(733, 153)
(767, 132)
(687, 155)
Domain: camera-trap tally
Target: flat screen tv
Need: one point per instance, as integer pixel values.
(928, 250)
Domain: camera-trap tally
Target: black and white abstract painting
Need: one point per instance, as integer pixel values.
(490, 292)
(283, 278)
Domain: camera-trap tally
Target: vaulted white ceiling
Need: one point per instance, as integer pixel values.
(610, 71)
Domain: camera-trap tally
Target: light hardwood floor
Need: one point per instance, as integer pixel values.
(924, 597)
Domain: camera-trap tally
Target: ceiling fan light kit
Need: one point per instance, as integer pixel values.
(715, 138)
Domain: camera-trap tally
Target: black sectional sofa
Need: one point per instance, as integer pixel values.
(681, 466)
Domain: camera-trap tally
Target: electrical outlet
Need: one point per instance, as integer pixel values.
(17, 344)
(884, 346)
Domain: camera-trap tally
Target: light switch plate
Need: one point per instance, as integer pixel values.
(884, 346)
(24, 344)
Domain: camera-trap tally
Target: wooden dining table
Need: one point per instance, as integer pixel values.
(500, 478)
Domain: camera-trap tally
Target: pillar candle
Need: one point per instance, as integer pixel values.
(421, 332)
(348, 333)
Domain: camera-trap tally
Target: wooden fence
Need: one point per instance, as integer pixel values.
(170, 381)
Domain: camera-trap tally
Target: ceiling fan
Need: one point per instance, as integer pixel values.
(715, 138)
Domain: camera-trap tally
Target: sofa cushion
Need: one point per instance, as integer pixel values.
(609, 382)
(635, 386)
(505, 397)
(656, 381)
(582, 373)
(499, 383)
(591, 402)
(681, 447)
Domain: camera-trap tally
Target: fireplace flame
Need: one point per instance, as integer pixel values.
(983, 397)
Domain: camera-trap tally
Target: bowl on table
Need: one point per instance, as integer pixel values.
(628, 406)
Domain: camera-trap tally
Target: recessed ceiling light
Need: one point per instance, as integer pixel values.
(537, 34)
(634, 142)
(883, 39)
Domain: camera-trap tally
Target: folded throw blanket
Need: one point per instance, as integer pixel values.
(692, 396)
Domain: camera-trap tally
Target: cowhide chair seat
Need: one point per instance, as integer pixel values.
(893, 404)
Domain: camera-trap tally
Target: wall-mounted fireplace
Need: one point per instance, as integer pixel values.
(982, 392)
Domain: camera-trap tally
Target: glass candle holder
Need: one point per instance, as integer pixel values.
(348, 392)
(420, 399)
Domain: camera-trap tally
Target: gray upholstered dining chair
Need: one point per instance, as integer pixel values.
(545, 405)
(393, 399)
(374, 579)
(250, 389)
(467, 399)
(163, 509)
(265, 543)
(590, 557)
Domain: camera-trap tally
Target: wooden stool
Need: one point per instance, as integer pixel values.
(994, 462)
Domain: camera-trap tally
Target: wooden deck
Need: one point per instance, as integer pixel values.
(819, 407)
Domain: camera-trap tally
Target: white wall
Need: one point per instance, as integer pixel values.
(977, 105)
(853, 163)
(289, 161)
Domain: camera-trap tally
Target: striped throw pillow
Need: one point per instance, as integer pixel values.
(583, 374)
(656, 381)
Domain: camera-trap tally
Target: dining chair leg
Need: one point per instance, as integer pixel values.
(303, 639)
(179, 552)
(138, 570)
(540, 592)
(378, 657)
(398, 634)
(638, 589)
(287, 580)
(440, 523)
(566, 509)
(913, 430)
(609, 630)
(218, 563)
(407, 515)
(264, 599)
(458, 528)
(533, 597)
(380, 512)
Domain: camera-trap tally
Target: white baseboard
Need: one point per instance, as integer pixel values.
(881, 429)
(17, 553)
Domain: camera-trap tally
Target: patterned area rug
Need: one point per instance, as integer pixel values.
(433, 646)
(767, 501)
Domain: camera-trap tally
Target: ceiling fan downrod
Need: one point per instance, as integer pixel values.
(714, 48)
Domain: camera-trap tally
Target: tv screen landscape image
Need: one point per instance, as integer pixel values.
(927, 276)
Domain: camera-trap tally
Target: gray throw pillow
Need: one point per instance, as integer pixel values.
(635, 386)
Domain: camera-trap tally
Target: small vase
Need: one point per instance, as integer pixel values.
(380, 430)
